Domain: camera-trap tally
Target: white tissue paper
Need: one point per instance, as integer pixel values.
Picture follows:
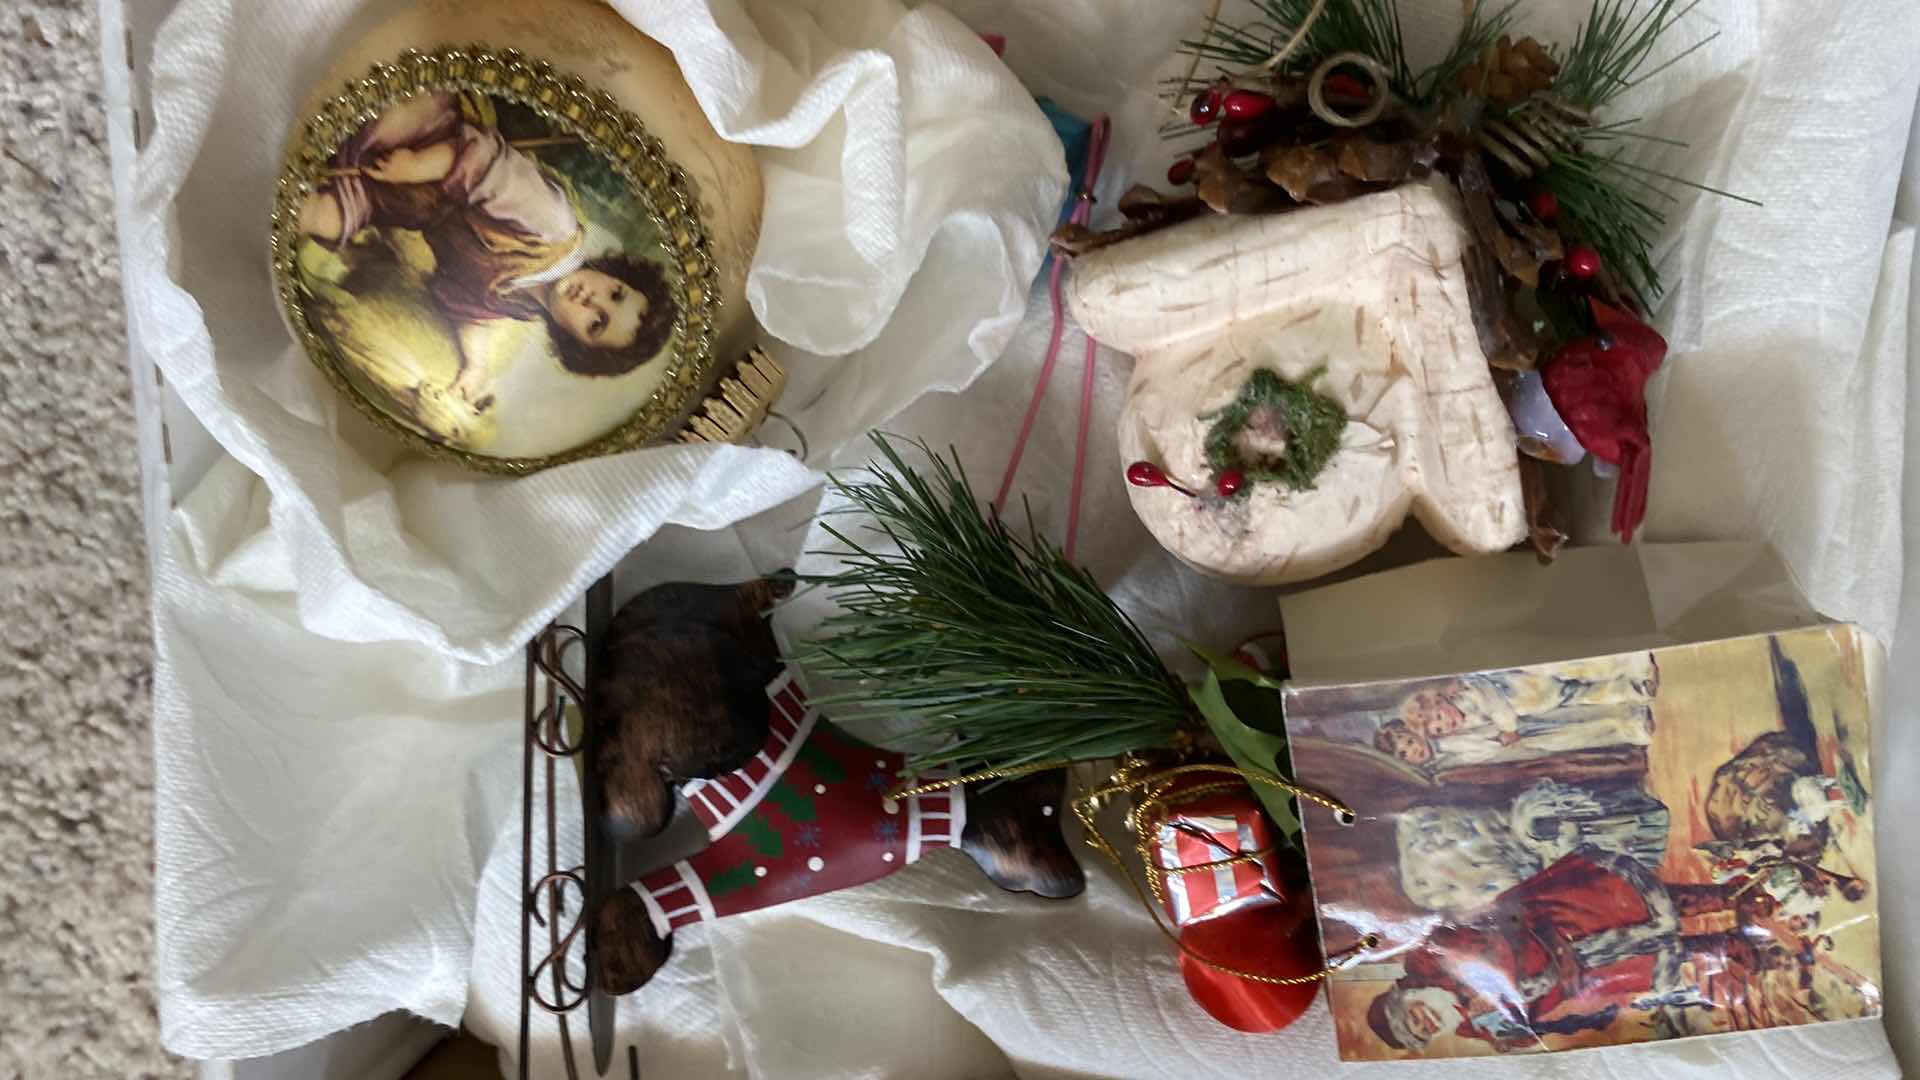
(328, 590)
(900, 152)
(337, 716)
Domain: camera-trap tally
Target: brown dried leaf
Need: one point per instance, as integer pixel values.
(1523, 348)
(1529, 61)
(1070, 239)
(1141, 201)
(1339, 189)
(1542, 530)
(1298, 169)
(1507, 72)
(1506, 338)
(1229, 189)
(1546, 243)
(1518, 258)
(1364, 159)
(1074, 239)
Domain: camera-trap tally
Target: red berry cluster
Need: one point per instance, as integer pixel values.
(1247, 119)
(1146, 474)
(1581, 262)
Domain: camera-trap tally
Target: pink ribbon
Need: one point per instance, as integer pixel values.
(1082, 213)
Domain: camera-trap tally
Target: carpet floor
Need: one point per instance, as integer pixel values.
(76, 807)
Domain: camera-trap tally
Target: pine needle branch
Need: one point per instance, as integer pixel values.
(989, 638)
(1613, 45)
(1477, 34)
(1605, 200)
(1610, 203)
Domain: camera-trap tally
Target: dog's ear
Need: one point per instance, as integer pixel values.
(1013, 835)
(629, 950)
(761, 594)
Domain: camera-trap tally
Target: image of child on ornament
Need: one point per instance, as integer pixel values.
(1520, 714)
(506, 241)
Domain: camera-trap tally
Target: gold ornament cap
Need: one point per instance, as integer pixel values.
(507, 234)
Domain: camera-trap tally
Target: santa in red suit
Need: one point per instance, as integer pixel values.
(1592, 925)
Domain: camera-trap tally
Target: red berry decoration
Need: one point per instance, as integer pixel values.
(1147, 474)
(1544, 206)
(1246, 104)
(1181, 171)
(1230, 483)
(1341, 84)
(1206, 107)
(1240, 137)
(1582, 262)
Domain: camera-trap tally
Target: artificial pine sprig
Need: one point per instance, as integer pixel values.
(1369, 27)
(1601, 207)
(1613, 205)
(1477, 34)
(1609, 202)
(1612, 46)
(993, 640)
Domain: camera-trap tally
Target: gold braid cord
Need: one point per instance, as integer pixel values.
(1155, 797)
(741, 402)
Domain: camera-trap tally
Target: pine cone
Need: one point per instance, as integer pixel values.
(1508, 71)
(1229, 189)
(1299, 168)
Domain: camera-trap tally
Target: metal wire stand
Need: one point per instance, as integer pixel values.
(548, 981)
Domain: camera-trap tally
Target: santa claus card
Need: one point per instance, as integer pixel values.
(1650, 844)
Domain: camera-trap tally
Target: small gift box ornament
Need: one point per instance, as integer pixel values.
(1238, 895)
(511, 238)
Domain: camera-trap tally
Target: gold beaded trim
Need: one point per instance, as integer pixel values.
(741, 402)
(603, 126)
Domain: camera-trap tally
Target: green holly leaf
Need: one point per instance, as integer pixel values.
(1232, 670)
(1250, 748)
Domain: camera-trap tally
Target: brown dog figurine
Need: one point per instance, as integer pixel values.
(693, 699)
(680, 690)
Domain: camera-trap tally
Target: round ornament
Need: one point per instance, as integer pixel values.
(508, 235)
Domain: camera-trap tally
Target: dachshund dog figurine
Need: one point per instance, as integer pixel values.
(697, 715)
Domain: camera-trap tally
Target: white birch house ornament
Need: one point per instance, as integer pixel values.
(1363, 302)
(1372, 266)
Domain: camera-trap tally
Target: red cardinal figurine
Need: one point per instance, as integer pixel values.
(1598, 384)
